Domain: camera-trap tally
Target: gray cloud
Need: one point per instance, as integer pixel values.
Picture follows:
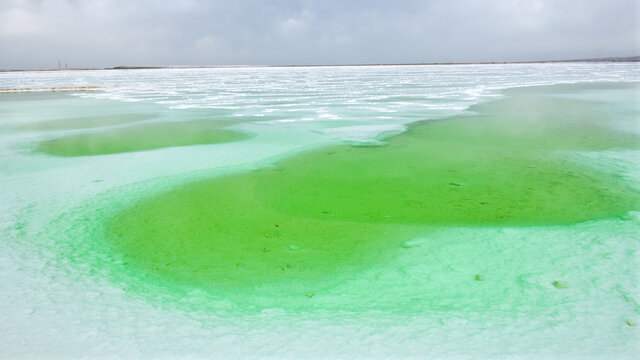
(196, 32)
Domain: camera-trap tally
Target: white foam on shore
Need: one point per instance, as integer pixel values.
(334, 93)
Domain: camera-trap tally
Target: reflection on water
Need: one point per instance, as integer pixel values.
(86, 122)
(141, 137)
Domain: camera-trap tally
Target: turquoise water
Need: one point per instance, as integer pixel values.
(515, 235)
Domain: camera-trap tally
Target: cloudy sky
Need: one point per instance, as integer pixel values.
(105, 33)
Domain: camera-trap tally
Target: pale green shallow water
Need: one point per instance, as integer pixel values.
(510, 230)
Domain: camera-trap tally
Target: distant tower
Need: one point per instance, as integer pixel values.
(58, 64)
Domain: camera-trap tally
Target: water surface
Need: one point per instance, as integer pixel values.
(416, 211)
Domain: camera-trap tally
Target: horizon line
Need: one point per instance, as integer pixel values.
(126, 67)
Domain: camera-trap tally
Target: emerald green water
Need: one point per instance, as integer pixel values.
(507, 232)
(343, 209)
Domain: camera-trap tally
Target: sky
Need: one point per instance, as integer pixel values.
(103, 33)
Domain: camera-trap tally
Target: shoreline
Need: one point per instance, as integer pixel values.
(632, 59)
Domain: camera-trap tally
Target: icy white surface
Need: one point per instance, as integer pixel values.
(50, 308)
(320, 95)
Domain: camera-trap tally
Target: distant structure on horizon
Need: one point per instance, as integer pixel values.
(606, 59)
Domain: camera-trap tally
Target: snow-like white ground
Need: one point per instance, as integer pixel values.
(51, 307)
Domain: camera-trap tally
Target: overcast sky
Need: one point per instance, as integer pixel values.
(95, 33)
